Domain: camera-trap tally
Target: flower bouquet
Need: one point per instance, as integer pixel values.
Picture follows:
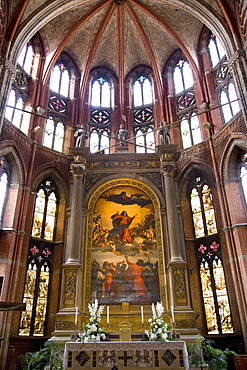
(92, 332)
(159, 330)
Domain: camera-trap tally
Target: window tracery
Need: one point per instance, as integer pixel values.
(223, 79)
(186, 104)
(19, 92)
(45, 211)
(143, 114)
(214, 290)
(36, 289)
(100, 115)
(57, 107)
(202, 208)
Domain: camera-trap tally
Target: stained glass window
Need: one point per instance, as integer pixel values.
(214, 290)
(45, 211)
(101, 93)
(4, 174)
(216, 50)
(142, 92)
(243, 176)
(229, 101)
(99, 140)
(25, 59)
(54, 134)
(100, 115)
(143, 115)
(14, 109)
(202, 208)
(60, 80)
(190, 130)
(223, 79)
(36, 289)
(186, 104)
(182, 76)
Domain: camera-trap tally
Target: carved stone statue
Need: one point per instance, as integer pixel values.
(122, 134)
(81, 136)
(164, 134)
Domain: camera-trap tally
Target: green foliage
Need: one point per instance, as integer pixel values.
(51, 355)
(195, 352)
(203, 352)
(216, 358)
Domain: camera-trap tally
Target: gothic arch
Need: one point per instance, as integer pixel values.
(17, 171)
(232, 157)
(188, 175)
(54, 175)
(147, 184)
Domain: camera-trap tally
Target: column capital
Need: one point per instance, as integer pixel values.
(168, 156)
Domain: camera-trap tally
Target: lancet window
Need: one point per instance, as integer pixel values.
(214, 289)
(202, 208)
(45, 211)
(223, 79)
(100, 114)
(143, 114)
(186, 104)
(19, 92)
(36, 290)
(57, 107)
(39, 261)
(209, 258)
(243, 176)
(4, 179)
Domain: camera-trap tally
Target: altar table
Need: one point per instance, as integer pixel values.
(126, 355)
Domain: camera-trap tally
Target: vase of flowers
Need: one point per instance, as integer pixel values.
(92, 332)
(159, 330)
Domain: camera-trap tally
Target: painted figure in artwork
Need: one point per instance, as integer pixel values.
(135, 276)
(121, 223)
(124, 247)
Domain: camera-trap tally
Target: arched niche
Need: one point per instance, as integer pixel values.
(124, 256)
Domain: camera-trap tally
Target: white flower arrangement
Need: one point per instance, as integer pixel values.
(92, 332)
(159, 330)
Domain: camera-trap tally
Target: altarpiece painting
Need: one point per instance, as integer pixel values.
(124, 254)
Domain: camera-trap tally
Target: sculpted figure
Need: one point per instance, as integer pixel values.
(81, 136)
(122, 134)
(164, 134)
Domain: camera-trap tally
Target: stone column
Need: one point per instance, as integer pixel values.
(72, 275)
(74, 226)
(179, 291)
(168, 157)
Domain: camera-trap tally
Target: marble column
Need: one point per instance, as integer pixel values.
(168, 157)
(179, 291)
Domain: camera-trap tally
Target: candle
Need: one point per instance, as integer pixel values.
(142, 315)
(172, 312)
(76, 315)
(107, 315)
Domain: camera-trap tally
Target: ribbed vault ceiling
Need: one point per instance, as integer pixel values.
(118, 34)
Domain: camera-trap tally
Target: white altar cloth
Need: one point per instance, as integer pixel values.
(126, 355)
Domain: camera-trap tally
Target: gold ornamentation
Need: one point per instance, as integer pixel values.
(180, 286)
(70, 287)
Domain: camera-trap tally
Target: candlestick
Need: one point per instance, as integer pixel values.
(76, 315)
(172, 312)
(107, 315)
(142, 315)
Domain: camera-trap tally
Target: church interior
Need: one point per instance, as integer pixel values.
(123, 169)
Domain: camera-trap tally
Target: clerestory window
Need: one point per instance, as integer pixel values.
(143, 114)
